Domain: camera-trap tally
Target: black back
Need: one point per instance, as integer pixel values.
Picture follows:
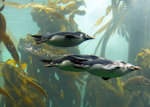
(88, 57)
(70, 58)
(98, 61)
(77, 59)
(49, 36)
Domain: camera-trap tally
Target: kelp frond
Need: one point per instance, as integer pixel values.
(116, 22)
(35, 5)
(108, 9)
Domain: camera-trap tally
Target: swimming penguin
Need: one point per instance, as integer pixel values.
(68, 63)
(107, 68)
(63, 39)
(136, 83)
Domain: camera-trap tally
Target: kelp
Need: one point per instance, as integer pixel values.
(111, 29)
(12, 37)
(2, 64)
(143, 60)
(59, 90)
(14, 63)
(99, 21)
(100, 31)
(110, 87)
(11, 48)
(7, 41)
(35, 5)
(54, 24)
(108, 9)
(124, 20)
(63, 88)
(48, 9)
(1, 8)
(66, 1)
(120, 88)
(6, 94)
(38, 88)
(40, 73)
(98, 90)
(18, 88)
(71, 17)
(29, 80)
(2, 22)
(110, 26)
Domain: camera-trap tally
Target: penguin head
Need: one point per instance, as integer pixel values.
(129, 67)
(85, 36)
(124, 68)
(132, 67)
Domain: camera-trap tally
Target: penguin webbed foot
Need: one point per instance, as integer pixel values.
(47, 63)
(105, 78)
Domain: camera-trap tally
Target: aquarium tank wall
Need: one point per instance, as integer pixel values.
(74, 53)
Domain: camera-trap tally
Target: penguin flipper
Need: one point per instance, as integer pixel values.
(77, 60)
(80, 58)
(104, 78)
(110, 67)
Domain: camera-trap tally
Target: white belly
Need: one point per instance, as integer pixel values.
(68, 66)
(64, 42)
(98, 70)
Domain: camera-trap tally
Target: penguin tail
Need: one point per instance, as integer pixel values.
(48, 63)
(38, 38)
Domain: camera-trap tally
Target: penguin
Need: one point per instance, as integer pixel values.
(107, 68)
(63, 39)
(69, 63)
(98, 66)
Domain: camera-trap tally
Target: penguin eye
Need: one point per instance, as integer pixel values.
(132, 67)
(86, 36)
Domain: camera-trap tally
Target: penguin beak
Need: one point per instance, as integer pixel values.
(137, 68)
(92, 37)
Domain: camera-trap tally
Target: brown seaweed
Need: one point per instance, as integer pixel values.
(6, 94)
(2, 22)
(51, 82)
(61, 87)
(17, 86)
(35, 5)
(2, 6)
(10, 46)
(38, 88)
(7, 41)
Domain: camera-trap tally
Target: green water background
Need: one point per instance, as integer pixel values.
(20, 23)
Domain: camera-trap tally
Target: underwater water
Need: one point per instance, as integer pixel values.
(121, 31)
